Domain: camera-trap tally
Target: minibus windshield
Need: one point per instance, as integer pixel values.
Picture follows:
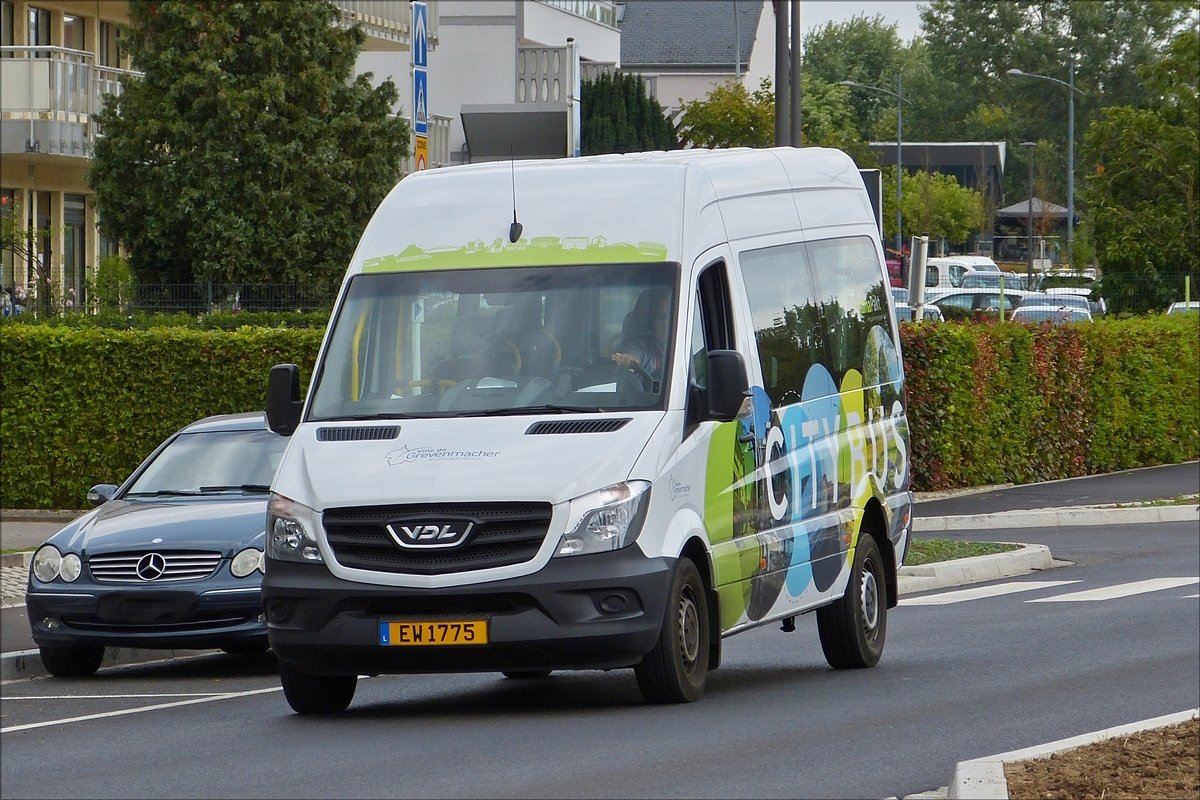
(478, 342)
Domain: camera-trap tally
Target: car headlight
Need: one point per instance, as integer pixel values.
(292, 531)
(245, 562)
(70, 568)
(47, 562)
(608, 519)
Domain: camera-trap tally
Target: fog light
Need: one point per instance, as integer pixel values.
(279, 612)
(50, 623)
(262, 619)
(614, 604)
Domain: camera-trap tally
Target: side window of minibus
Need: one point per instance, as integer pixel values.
(853, 299)
(783, 301)
(712, 329)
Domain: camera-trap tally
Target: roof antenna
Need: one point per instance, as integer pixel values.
(514, 230)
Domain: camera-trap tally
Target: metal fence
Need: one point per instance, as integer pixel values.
(207, 298)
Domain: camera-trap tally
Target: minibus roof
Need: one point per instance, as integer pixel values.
(642, 207)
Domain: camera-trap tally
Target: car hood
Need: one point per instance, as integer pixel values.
(220, 523)
(464, 459)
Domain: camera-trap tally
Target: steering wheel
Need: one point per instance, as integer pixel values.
(623, 375)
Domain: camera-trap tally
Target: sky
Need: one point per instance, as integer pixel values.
(905, 14)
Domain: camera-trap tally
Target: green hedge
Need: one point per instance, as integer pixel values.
(81, 406)
(1004, 403)
(988, 403)
(141, 320)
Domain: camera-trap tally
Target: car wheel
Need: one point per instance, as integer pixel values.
(248, 647)
(316, 694)
(72, 662)
(853, 627)
(676, 669)
(526, 674)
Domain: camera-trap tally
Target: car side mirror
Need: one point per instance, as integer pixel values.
(101, 493)
(727, 384)
(283, 399)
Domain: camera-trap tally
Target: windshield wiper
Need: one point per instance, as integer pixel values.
(244, 487)
(548, 408)
(162, 492)
(376, 415)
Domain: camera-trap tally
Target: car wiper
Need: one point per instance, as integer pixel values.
(376, 415)
(548, 408)
(163, 492)
(243, 487)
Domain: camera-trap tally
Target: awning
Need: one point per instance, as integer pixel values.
(515, 130)
(1042, 209)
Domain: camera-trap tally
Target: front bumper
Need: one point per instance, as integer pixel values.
(148, 617)
(561, 617)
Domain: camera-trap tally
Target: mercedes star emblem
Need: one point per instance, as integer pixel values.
(151, 567)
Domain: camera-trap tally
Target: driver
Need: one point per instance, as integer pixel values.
(645, 343)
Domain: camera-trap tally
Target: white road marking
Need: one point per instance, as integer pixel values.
(1119, 590)
(111, 696)
(124, 711)
(1190, 596)
(946, 598)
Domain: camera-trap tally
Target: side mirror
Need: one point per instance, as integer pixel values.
(727, 384)
(283, 399)
(101, 493)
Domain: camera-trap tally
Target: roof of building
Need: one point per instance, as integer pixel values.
(943, 154)
(1041, 208)
(674, 34)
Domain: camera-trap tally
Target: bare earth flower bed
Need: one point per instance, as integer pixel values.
(1162, 763)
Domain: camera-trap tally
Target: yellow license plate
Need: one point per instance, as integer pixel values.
(433, 632)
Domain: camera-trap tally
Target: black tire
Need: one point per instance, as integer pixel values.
(854, 627)
(248, 647)
(526, 674)
(72, 662)
(676, 669)
(316, 694)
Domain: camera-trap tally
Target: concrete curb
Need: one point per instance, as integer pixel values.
(28, 664)
(21, 559)
(1058, 518)
(983, 778)
(40, 515)
(975, 569)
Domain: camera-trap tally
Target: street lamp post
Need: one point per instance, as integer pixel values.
(1029, 217)
(900, 101)
(1016, 73)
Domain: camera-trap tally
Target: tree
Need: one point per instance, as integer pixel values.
(1145, 165)
(617, 116)
(246, 152)
(933, 205)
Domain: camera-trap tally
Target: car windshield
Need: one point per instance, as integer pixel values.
(991, 280)
(500, 341)
(213, 462)
(1057, 300)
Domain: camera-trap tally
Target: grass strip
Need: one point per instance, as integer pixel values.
(929, 551)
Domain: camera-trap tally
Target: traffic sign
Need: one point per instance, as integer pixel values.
(422, 154)
(420, 101)
(420, 35)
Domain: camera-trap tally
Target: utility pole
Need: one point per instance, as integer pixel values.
(796, 128)
(1029, 216)
(737, 44)
(782, 93)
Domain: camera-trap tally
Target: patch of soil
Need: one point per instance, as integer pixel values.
(1161, 763)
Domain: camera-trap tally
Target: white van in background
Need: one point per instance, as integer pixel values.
(594, 413)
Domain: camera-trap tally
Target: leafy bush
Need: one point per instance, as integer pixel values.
(1009, 403)
(85, 405)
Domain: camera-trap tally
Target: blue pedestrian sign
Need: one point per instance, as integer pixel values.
(420, 35)
(420, 101)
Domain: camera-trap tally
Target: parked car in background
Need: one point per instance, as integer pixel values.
(1057, 315)
(904, 311)
(991, 280)
(1063, 300)
(1185, 308)
(957, 303)
(173, 558)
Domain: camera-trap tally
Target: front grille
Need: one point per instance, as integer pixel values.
(198, 624)
(365, 434)
(577, 426)
(505, 533)
(181, 566)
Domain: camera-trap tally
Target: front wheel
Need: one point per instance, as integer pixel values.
(676, 669)
(71, 662)
(316, 694)
(853, 628)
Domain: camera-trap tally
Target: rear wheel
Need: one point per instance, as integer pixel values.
(526, 674)
(853, 628)
(316, 694)
(71, 662)
(676, 669)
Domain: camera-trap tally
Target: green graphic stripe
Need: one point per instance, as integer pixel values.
(538, 252)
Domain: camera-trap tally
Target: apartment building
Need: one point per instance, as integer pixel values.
(58, 61)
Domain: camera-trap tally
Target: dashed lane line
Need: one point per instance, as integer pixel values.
(125, 711)
(1118, 590)
(962, 595)
(111, 696)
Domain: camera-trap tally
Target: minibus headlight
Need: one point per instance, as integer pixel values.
(605, 520)
(245, 562)
(292, 531)
(46, 563)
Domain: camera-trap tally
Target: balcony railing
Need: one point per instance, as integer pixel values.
(596, 10)
(387, 20)
(48, 96)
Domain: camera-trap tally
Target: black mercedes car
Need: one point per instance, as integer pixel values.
(170, 559)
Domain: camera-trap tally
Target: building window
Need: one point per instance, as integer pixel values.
(39, 30)
(109, 55)
(6, 26)
(74, 33)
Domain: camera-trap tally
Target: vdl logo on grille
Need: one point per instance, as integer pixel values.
(430, 534)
